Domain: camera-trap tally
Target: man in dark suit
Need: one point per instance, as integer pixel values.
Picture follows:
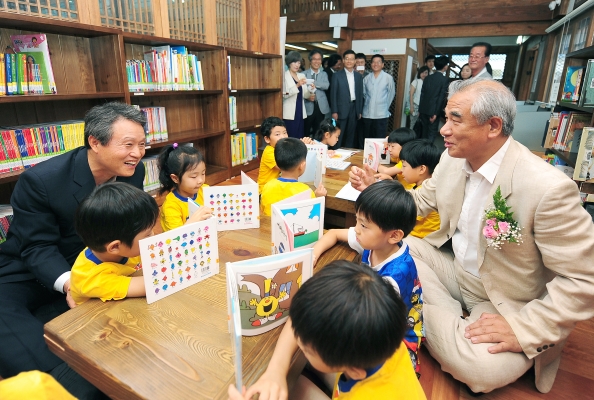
(433, 98)
(334, 65)
(42, 243)
(346, 103)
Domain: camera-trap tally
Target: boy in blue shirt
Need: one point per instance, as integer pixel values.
(386, 214)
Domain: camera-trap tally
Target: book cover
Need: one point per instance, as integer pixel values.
(234, 317)
(584, 164)
(234, 206)
(576, 123)
(179, 258)
(314, 164)
(375, 152)
(296, 225)
(37, 50)
(571, 80)
(261, 289)
(587, 95)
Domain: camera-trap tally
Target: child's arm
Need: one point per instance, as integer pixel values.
(200, 215)
(329, 239)
(321, 190)
(272, 385)
(382, 177)
(136, 288)
(392, 171)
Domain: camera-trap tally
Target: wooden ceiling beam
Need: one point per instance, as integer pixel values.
(442, 6)
(305, 37)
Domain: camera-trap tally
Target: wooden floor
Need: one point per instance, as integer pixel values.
(575, 379)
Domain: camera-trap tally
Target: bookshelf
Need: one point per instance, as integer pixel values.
(84, 78)
(256, 82)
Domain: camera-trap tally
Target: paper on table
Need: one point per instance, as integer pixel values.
(348, 193)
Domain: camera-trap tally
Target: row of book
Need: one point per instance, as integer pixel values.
(24, 146)
(156, 124)
(578, 86)
(151, 173)
(244, 147)
(165, 68)
(563, 126)
(233, 112)
(26, 67)
(5, 221)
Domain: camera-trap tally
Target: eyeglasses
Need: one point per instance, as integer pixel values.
(475, 57)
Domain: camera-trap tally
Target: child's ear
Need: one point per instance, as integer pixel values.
(113, 247)
(302, 167)
(174, 178)
(267, 139)
(356, 373)
(396, 236)
(423, 169)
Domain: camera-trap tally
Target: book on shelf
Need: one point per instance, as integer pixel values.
(575, 123)
(297, 224)
(177, 259)
(244, 147)
(551, 131)
(571, 82)
(33, 65)
(6, 216)
(232, 112)
(151, 173)
(229, 72)
(156, 124)
(584, 164)
(260, 290)
(587, 95)
(2, 75)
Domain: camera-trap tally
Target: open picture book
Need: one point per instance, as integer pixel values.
(315, 164)
(375, 152)
(296, 224)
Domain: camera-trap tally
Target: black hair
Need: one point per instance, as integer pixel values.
(421, 70)
(333, 59)
(388, 205)
(377, 56)
(361, 56)
(327, 125)
(489, 68)
(270, 123)
(349, 315)
(314, 51)
(99, 120)
(441, 62)
(420, 152)
(114, 211)
(429, 57)
(401, 136)
(292, 56)
(347, 52)
(176, 159)
(289, 153)
(487, 46)
(461, 68)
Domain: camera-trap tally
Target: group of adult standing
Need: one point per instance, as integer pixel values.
(356, 99)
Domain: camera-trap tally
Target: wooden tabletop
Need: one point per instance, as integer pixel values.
(178, 347)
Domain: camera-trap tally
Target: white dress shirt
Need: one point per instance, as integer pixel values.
(351, 79)
(478, 186)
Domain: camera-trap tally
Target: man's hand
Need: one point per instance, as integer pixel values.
(361, 178)
(69, 299)
(359, 117)
(432, 119)
(335, 116)
(321, 190)
(493, 328)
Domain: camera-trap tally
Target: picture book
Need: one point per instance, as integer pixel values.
(576, 122)
(587, 96)
(260, 290)
(234, 317)
(584, 164)
(348, 192)
(179, 258)
(571, 80)
(297, 225)
(37, 52)
(234, 206)
(375, 152)
(314, 164)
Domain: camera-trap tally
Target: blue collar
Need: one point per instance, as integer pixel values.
(184, 199)
(280, 178)
(345, 386)
(92, 257)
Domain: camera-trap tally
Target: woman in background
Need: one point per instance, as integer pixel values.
(465, 72)
(294, 93)
(415, 94)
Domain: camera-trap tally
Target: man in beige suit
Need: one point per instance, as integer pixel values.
(524, 299)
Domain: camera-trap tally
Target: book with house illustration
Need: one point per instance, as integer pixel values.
(234, 206)
(375, 152)
(179, 258)
(260, 291)
(296, 225)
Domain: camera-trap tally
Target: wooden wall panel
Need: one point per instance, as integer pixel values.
(263, 26)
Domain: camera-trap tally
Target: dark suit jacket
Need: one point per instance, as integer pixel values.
(42, 243)
(330, 74)
(341, 95)
(433, 94)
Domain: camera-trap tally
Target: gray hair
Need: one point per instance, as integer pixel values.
(292, 57)
(99, 120)
(492, 100)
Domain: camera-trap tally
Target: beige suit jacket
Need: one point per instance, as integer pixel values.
(544, 285)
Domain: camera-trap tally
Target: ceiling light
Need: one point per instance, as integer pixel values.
(295, 47)
(330, 44)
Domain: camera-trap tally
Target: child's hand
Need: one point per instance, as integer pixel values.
(234, 393)
(382, 177)
(270, 386)
(321, 190)
(381, 169)
(331, 153)
(200, 215)
(307, 140)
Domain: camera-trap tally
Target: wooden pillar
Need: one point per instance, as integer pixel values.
(262, 26)
(161, 18)
(346, 40)
(210, 22)
(88, 13)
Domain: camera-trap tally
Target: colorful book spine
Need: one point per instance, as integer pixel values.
(2, 75)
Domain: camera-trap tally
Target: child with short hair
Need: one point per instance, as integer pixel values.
(345, 319)
(273, 129)
(182, 173)
(327, 134)
(110, 222)
(419, 159)
(397, 138)
(290, 155)
(386, 213)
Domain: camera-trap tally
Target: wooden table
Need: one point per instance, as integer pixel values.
(340, 212)
(178, 347)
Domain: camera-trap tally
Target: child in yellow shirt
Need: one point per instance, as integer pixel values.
(419, 159)
(110, 222)
(273, 129)
(182, 173)
(290, 155)
(396, 140)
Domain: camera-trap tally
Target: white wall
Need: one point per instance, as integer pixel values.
(391, 46)
(369, 3)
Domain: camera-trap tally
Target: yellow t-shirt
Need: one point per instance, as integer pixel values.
(33, 385)
(407, 186)
(279, 189)
(174, 211)
(267, 171)
(92, 278)
(395, 379)
(426, 225)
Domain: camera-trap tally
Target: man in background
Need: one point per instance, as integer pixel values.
(360, 61)
(478, 59)
(378, 94)
(346, 104)
(316, 105)
(433, 98)
(334, 65)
